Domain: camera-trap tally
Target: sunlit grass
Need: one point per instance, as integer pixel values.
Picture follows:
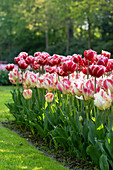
(5, 97)
(15, 152)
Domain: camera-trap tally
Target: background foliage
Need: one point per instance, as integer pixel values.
(64, 27)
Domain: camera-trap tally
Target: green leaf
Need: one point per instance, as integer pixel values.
(94, 154)
(104, 162)
(91, 134)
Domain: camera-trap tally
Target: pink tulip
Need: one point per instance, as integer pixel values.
(30, 79)
(9, 67)
(51, 69)
(65, 86)
(77, 87)
(90, 54)
(15, 76)
(23, 55)
(49, 97)
(27, 93)
(106, 84)
(88, 88)
(50, 81)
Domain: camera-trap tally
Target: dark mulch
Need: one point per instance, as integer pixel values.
(62, 156)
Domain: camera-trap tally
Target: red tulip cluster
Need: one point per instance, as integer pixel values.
(58, 67)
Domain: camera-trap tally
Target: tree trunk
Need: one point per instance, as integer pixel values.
(68, 38)
(47, 39)
(89, 33)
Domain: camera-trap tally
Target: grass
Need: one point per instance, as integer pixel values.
(17, 153)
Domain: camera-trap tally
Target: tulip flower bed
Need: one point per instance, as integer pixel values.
(67, 101)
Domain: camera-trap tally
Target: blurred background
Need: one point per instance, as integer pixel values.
(57, 26)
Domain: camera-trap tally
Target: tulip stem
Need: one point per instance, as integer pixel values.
(77, 70)
(95, 84)
(88, 70)
(68, 76)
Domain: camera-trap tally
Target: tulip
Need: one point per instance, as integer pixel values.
(96, 70)
(51, 69)
(50, 81)
(88, 88)
(106, 54)
(37, 54)
(90, 54)
(106, 84)
(15, 76)
(29, 60)
(54, 60)
(23, 55)
(30, 79)
(27, 93)
(77, 58)
(77, 88)
(101, 60)
(17, 59)
(65, 86)
(84, 70)
(60, 72)
(102, 100)
(35, 65)
(22, 64)
(49, 97)
(9, 67)
(109, 65)
(69, 66)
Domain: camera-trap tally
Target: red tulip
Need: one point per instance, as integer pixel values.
(60, 72)
(10, 67)
(29, 60)
(90, 54)
(54, 60)
(35, 65)
(106, 54)
(101, 60)
(37, 54)
(84, 70)
(96, 70)
(69, 66)
(77, 58)
(85, 62)
(22, 64)
(109, 65)
(17, 59)
(51, 69)
(23, 55)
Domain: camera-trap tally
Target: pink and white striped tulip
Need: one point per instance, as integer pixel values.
(49, 97)
(102, 99)
(27, 93)
(88, 88)
(29, 79)
(15, 76)
(65, 86)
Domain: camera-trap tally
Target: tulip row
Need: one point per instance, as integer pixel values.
(64, 96)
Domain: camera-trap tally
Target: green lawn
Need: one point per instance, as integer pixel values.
(17, 153)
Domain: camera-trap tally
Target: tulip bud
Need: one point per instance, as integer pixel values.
(27, 94)
(49, 97)
(10, 67)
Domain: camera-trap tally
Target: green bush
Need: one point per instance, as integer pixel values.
(4, 78)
